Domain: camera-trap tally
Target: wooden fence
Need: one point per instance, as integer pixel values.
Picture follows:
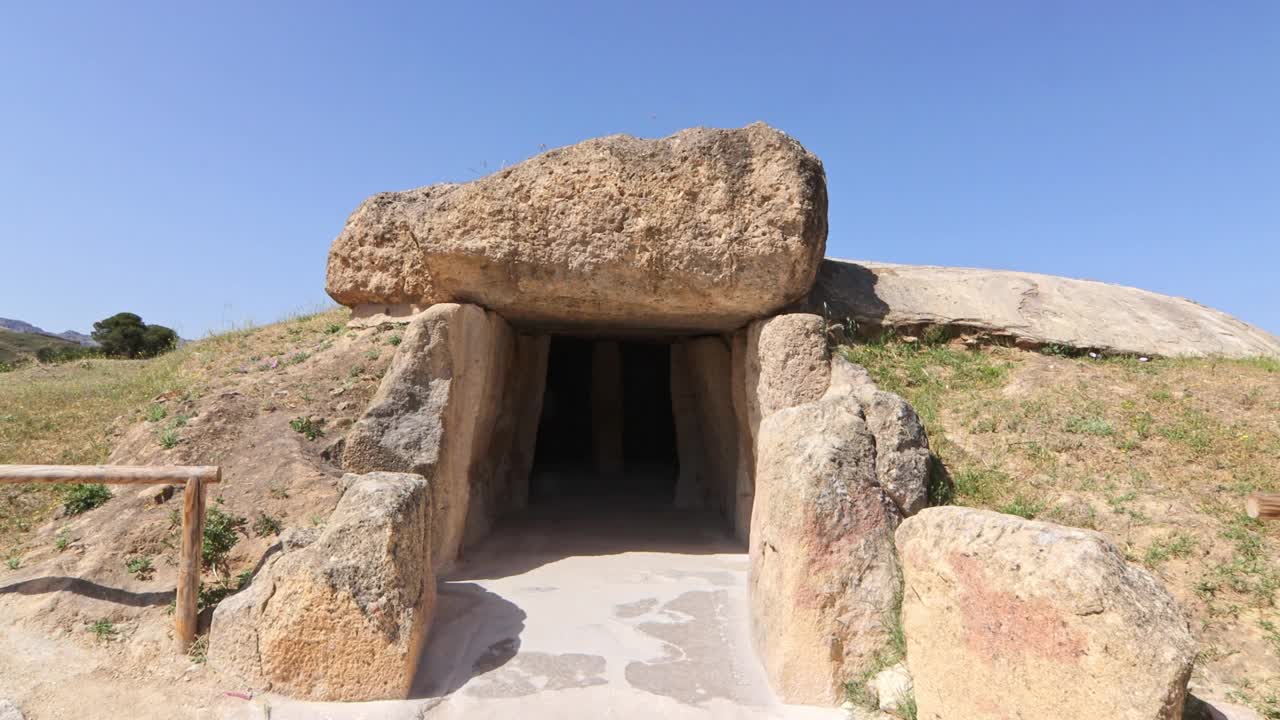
(195, 478)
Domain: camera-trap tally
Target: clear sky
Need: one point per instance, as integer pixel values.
(191, 162)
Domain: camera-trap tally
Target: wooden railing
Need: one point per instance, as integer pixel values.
(1263, 506)
(195, 478)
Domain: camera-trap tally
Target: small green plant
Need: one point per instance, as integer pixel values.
(355, 371)
(373, 354)
(221, 533)
(156, 412)
(104, 629)
(266, 525)
(394, 340)
(140, 567)
(169, 438)
(308, 427)
(1023, 507)
(61, 541)
(83, 498)
(333, 328)
(14, 563)
(1177, 545)
(278, 492)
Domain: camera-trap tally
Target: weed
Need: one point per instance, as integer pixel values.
(140, 567)
(104, 629)
(394, 340)
(308, 427)
(1023, 507)
(169, 438)
(83, 498)
(220, 536)
(156, 412)
(14, 563)
(1089, 425)
(199, 651)
(893, 652)
(266, 525)
(373, 354)
(1177, 545)
(298, 357)
(980, 485)
(1272, 635)
(278, 492)
(355, 371)
(61, 540)
(333, 328)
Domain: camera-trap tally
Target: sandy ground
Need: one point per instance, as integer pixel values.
(577, 610)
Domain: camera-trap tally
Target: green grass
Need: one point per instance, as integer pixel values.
(140, 567)
(1177, 545)
(62, 415)
(83, 498)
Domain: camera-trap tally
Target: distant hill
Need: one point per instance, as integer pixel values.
(26, 327)
(16, 345)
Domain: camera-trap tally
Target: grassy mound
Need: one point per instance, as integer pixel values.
(1157, 455)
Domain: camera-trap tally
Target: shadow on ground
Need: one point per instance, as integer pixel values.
(43, 585)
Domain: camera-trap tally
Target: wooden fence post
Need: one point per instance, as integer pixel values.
(186, 611)
(1263, 506)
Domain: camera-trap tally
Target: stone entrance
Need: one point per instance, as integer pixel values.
(606, 322)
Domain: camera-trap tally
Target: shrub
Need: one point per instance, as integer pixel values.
(156, 413)
(220, 528)
(308, 427)
(82, 498)
(141, 567)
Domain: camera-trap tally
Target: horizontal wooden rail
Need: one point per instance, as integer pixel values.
(1263, 506)
(110, 474)
(196, 478)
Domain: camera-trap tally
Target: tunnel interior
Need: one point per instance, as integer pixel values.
(606, 427)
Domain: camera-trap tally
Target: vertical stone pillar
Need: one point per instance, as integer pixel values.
(691, 488)
(606, 406)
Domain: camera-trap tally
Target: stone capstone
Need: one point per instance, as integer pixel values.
(1029, 309)
(703, 230)
(1006, 617)
(345, 616)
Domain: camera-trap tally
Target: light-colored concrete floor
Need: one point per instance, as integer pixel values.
(613, 608)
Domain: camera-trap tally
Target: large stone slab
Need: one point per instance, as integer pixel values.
(1006, 617)
(435, 412)
(345, 617)
(703, 230)
(835, 463)
(1032, 309)
(824, 575)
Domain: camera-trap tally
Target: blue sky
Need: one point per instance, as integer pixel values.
(192, 163)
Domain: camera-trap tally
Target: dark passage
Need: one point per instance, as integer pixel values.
(606, 426)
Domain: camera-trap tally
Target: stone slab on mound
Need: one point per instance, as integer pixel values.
(1033, 309)
(703, 230)
(1006, 617)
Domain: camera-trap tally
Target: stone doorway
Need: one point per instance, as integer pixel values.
(606, 427)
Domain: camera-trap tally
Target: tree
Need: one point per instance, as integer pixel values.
(125, 335)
